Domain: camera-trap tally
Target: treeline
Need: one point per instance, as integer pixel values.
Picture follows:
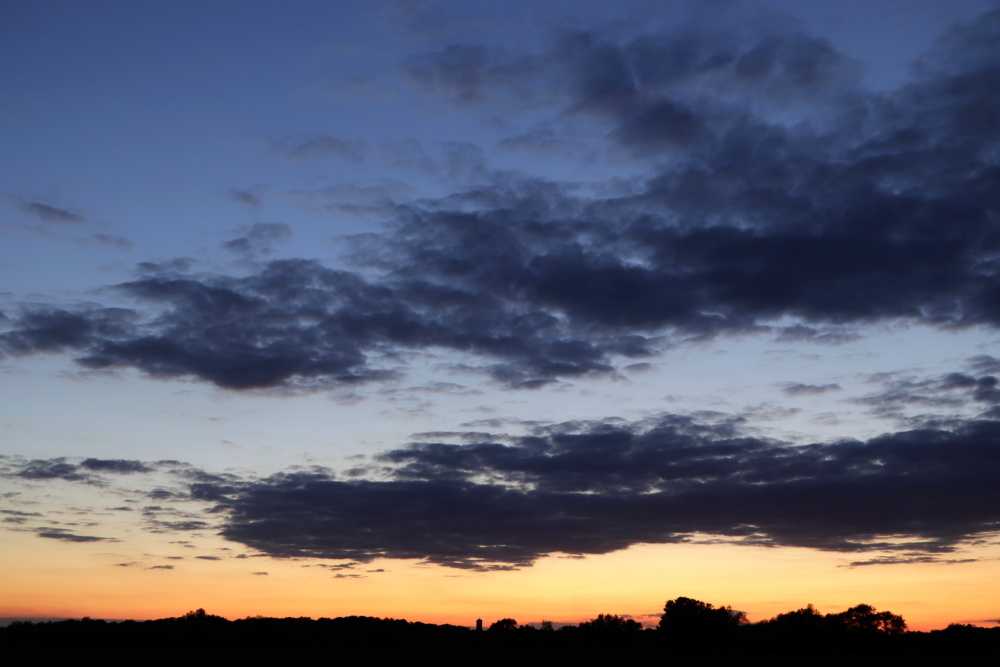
(686, 626)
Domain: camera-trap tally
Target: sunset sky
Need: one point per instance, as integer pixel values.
(446, 310)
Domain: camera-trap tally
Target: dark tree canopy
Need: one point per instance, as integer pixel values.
(690, 623)
(504, 624)
(864, 618)
(688, 614)
(610, 623)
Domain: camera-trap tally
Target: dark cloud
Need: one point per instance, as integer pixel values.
(120, 466)
(210, 491)
(176, 265)
(247, 196)
(339, 566)
(472, 500)
(984, 363)
(69, 536)
(799, 389)
(299, 323)
(903, 560)
(182, 525)
(591, 488)
(51, 469)
(87, 470)
(160, 567)
(951, 392)
(762, 219)
(769, 191)
(47, 212)
(44, 329)
(18, 517)
(260, 573)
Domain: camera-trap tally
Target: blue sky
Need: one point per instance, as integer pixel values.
(383, 253)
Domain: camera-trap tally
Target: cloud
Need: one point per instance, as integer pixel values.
(247, 196)
(259, 238)
(590, 488)
(120, 466)
(114, 241)
(187, 525)
(735, 234)
(87, 470)
(902, 560)
(69, 536)
(769, 191)
(43, 329)
(339, 566)
(51, 469)
(47, 212)
(297, 323)
(954, 392)
(478, 501)
(799, 389)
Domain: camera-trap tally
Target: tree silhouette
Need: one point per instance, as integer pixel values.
(610, 623)
(863, 618)
(688, 623)
(504, 624)
(201, 616)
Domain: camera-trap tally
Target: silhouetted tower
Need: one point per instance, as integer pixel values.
(479, 625)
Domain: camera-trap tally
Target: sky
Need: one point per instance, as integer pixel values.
(458, 310)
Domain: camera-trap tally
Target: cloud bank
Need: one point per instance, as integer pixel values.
(767, 187)
(585, 488)
(592, 488)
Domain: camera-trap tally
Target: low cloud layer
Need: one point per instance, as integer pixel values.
(592, 488)
(769, 190)
(472, 500)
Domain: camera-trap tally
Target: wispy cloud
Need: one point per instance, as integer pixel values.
(48, 212)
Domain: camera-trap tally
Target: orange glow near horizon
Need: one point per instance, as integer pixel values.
(76, 580)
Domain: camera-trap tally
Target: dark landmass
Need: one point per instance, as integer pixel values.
(687, 627)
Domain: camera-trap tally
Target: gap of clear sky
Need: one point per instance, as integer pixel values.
(499, 309)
